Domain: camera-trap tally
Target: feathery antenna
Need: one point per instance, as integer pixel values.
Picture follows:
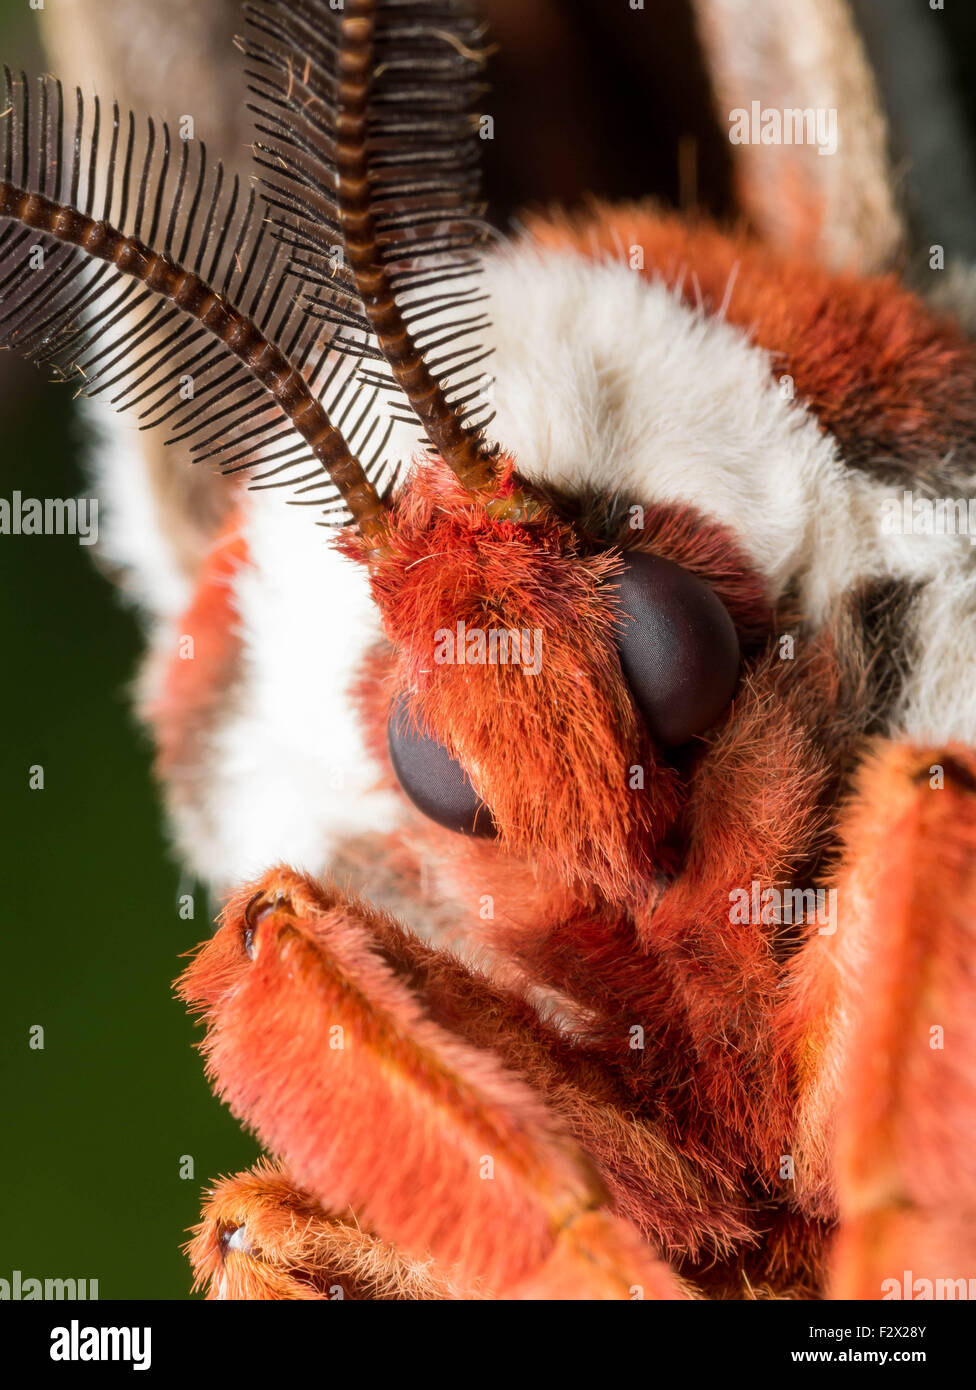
(367, 139)
(179, 309)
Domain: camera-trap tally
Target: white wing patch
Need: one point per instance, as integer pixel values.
(289, 773)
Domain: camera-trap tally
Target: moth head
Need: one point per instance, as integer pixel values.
(550, 686)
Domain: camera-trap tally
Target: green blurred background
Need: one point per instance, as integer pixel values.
(96, 1125)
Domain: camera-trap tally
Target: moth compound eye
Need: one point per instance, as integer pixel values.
(678, 648)
(435, 782)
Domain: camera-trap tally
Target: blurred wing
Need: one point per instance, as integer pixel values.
(835, 204)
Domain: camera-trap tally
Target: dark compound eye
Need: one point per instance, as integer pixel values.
(435, 782)
(678, 648)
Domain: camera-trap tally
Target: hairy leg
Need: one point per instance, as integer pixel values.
(318, 1038)
(881, 1017)
(261, 1237)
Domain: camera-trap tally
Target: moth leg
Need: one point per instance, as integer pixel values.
(670, 1187)
(318, 1039)
(261, 1237)
(882, 1018)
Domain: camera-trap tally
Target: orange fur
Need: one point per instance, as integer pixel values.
(887, 1117)
(482, 1147)
(191, 688)
(565, 799)
(295, 1250)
